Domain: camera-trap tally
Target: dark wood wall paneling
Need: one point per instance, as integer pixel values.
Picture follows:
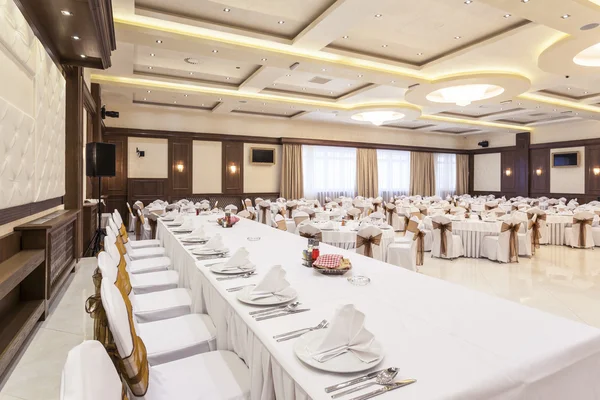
(147, 190)
(116, 187)
(508, 182)
(233, 155)
(180, 153)
(592, 160)
(521, 164)
(539, 185)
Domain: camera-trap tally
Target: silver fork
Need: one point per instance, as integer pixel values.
(238, 288)
(245, 275)
(294, 334)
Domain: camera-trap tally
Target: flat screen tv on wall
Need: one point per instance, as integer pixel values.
(262, 156)
(570, 159)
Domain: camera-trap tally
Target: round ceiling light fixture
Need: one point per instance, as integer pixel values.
(589, 57)
(378, 117)
(192, 61)
(463, 95)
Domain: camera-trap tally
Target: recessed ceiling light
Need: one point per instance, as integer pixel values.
(585, 92)
(419, 54)
(468, 1)
(324, 69)
(159, 41)
(220, 99)
(519, 103)
(281, 22)
(82, 56)
(349, 84)
(66, 13)
(566, 16)
(202, 104)
(175, 102)
(263, 59)
(568, 88)
(524, 1)
(537, 106)
(191, 73)
(303, 88)
(75, 37)
(457, 37)
(274, 84)
(215, 51)
(576, 113)
(378, 15)
(384, 45)
(501, 109)
(288, 75)
(264, 104)
(227, 78)
(359, 75)
(345, 37)
(507, 15)
(554, 110)
(150, 67)
(145, 99)
(148, 91)
(227, 9)
(152, 54)
(330, 92)
(185, 95)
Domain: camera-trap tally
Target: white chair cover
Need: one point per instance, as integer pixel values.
(582, 224)
(497, 248)
(454, 245)
(368, 242)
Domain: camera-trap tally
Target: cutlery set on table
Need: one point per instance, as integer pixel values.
(383, 377)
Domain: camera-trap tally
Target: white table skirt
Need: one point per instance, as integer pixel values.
(458, 343)
(472, 233)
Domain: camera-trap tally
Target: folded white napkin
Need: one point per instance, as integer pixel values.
(178, 220)
(347, 333)
(198, 232)
(187, 224)
(327, 225)
(238, 261)
(273, 284)
(215, 243)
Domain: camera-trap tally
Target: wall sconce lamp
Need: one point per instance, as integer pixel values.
(179, 167)
(233, 168)
(596, 171)
(508, 172)
(538, 171)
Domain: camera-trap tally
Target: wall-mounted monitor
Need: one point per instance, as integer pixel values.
(570, 159)
(262, 156)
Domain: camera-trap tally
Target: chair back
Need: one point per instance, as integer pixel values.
(231, 208)
(264, 212)
(257, 201)
(310, 232)
(300, 216)
(368, 241)
(442, 236)
(280, 222)
(245, 214)
(582, 230)
(508, 241)
(89, 374)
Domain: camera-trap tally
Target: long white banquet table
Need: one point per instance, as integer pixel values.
(457, 343)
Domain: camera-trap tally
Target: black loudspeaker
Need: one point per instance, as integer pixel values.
(100, 159)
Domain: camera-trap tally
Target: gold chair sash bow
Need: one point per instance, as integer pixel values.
(290, 210)
(93, 306)
(263, 211)
(368, 242)
(318, 235)
(443, 229)
(488, 208)
(536, 234)
(419, 236)
(406, 221)
(390, 210)
(513, 244)
(582, 231)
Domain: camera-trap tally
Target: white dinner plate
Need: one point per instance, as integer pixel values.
(243, 296)
(167, 219)
(218, 269)
(182, 230)
(195, 239)
(208, 252)
(344, 364)
(174, 224)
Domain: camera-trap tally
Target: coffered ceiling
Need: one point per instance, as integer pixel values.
(430, 60)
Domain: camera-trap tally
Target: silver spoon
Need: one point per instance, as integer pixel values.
(385, 377)
(294, 334)
(288, 308)
(246, 275)
(278, 308)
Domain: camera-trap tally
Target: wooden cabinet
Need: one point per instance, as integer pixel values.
(90, 223)
(56, 234)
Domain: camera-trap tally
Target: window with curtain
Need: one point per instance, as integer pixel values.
(445, 174)
(394, 173)
(328, 172)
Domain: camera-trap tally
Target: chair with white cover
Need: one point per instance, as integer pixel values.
(245, 214)
(135, 244)
(89, 374)
(505, 247)
(445, 244)
(151, 280)
(310, 231)
(377, 216)
(596, 227)
(580, 235)
(132, 219)
(147, 307)
(231, 208)
(146, 230)
(257, 201)
(215, 375)
(280, 222)
(526, 246)
(392, 216)
(166, 340)
(300, 216)
(138, 266)
(136, 254)
(540, 234)
(409, 253)
(368, 242)
(290, 207)
(264, 212)
(354, 213)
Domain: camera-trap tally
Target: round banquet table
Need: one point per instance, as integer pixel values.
(472, 233)
(556, 227)
(344, 237)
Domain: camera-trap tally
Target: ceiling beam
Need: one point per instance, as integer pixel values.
(334, 23)
(262, 78)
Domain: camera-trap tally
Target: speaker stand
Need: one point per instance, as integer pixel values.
(96, 243)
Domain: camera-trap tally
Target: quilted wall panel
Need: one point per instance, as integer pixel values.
(32, 142)
(50, 129)
(17, 156)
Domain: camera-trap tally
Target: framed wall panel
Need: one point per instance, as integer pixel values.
(233, 167)
(539, 159)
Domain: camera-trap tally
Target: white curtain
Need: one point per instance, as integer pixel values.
(329, 172)
(445, 174)
(394, 172)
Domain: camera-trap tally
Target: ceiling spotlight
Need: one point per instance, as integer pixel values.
(507, 15)
(264, 104)
(330, 92)
(148, 91)
(384, 45)
(419, 54)
(566, 16)
(393, 81)
(152, 54)
(324, 69)
(227, 78)
(345, 37)
(263, 59)
(159, 41)
(554, 110)
(145, 99)
(303, 88)
(82, 56)
(360, 75)
(468, 1)
(568, 88)
(524, 1)
(66, 13)
(457, 37)
(75, 37)
(227, 9)
(150, 67)
(288, 75)
(215, 51)
(175, 102)
(585, 92)
(185, 95)
(378, 15)
(220, 99)
(349, 84)
(281, 22)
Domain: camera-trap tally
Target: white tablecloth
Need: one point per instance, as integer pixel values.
(472, 233)
(556, 228)
(458, 343)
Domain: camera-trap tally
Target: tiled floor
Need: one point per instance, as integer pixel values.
(558, 280)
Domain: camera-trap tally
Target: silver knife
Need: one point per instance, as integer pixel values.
(268, 309)
(354, 381)
(282, 314)
(385, 389)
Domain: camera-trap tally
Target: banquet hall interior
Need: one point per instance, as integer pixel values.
(299, 199)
